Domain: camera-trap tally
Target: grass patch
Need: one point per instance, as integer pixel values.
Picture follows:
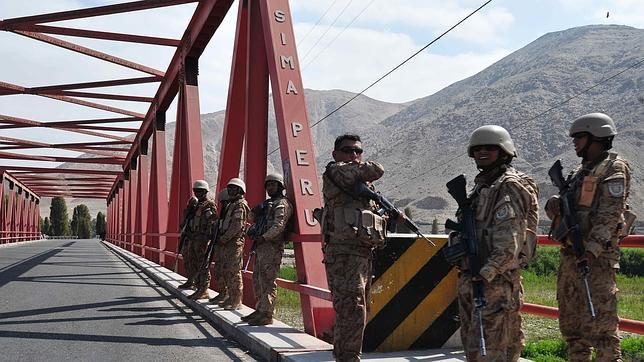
(287, 306)
(554, 350)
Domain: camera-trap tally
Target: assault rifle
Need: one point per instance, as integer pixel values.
(183, 240)
(183, 237)
(467, 230)
(257, 229)
(210, 252)
(386, 207)
(571, 226)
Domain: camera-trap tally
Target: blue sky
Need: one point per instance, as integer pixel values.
(346, 57)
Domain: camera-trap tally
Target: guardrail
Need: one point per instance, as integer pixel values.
(628, 325)
(7, 237)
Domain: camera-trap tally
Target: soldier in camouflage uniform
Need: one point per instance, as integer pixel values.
(347, 257)
(217, 257)
(204, 218)
(600, 187)
(188, 213)
(504, 202)
(233, 233)
(269, 243)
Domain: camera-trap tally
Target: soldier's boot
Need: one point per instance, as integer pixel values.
(220, 297)
(189, 284)
(199, 294)
(246, 318)
(261, 319)
(233, 303)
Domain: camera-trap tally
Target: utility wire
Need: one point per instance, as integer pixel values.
(317, 23)
(338, 35)
(396, 67)
(604, 80)
(328, 28)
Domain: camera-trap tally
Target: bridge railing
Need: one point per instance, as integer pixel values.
(7, 237)
(627, 325)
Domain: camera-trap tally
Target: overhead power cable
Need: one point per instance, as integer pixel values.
(586, 90)
(316, 23)
(328, 28)
(338, 35)
(395, 68)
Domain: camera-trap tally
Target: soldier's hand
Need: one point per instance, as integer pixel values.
(588, 258)
(400, 217)
(553, 207)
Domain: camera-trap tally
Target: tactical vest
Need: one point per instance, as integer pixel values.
(587, 191)
(350, 220)
(204, 216)
(232, 207)
(484, 207)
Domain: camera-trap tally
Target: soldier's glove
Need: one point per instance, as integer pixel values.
(588, 258)
(553, 207)
(455, 248)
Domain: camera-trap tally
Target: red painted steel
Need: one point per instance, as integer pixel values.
(140, 226)
(187, 159)
(232, 141)
(296, 148)
(255, 158)
(626, 325)
(133, 203)
(99, 35)
(631, 241)
(157, 221)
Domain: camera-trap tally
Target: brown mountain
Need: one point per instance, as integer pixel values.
(534, 92)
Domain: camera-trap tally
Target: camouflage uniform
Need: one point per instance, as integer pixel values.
(502, 206)
(218, 273)
(199, 227)
(269, 253)
(233, 233)
(347, 259)
(600, 221)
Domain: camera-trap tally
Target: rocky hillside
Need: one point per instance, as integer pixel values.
(422, 143)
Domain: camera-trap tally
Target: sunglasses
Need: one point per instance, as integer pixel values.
(350, 150)
(488, 148)
(579, 135)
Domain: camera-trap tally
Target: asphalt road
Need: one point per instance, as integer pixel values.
(74, 300)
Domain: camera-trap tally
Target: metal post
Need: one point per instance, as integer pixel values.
(298, 158)
(158, 202)
(140, 225)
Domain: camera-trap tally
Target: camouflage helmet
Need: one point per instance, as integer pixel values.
(275, 177)
(492, 135)
(597, 124)
(223, 195)
(238, 182)
(201, 185)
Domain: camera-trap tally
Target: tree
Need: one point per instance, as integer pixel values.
(45, 226)
(58, 217)
(435, 226)
(81, 222)
(100, 225)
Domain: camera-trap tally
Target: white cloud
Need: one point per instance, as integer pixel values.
(364, 55)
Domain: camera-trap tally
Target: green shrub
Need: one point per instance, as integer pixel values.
(546, 262)
(550, 350)
(633, 348)
(288, 273)
(632, 262)
(554, 350)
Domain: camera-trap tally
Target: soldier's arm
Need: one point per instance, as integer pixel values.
(236, 225)
(282, 212)
(507, 229)
(613, 192)
(347, 174)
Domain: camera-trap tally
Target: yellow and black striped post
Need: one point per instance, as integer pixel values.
(413, 296)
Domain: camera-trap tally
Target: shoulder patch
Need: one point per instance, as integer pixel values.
(616, 188)
(503, 212)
